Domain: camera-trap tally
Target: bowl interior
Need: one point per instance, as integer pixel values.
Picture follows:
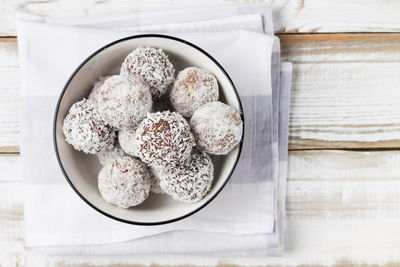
(82, 169)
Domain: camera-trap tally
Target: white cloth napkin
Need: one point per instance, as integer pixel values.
(246, 217)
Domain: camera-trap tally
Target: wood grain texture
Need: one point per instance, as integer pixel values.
(344, 94)
(345, 90)
(289, 15)
(10, 97)
(342, 207)
(11, 222)
(10, 168)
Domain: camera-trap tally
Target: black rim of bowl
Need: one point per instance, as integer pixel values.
(65, 88)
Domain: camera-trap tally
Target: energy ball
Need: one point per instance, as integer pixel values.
(191, 181)
(126, 138)
(192, 89)
(124, 101)
(84, 128)
(164, 139)
(94, 95)
(110, 153)
(124, 182)
(154, 67)
(218, 128)
(155, 176)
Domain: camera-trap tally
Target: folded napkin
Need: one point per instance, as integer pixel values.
(246, 218)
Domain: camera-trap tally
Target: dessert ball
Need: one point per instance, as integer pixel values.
(153, 65)
(164, 139)
(217, 127)
(191, 181)
(94, 95)
(124, 182)
(126, 139)
(110, 153)
(84, 128)
(124, 101)
(192, 89)
(155, 176)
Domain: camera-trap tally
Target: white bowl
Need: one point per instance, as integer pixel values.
(81, 169)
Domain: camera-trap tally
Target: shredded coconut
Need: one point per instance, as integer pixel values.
(126, 138)
(192, 89)
(218, 128)
(110, 152)
(94, 95)
(164, 139)
(124, 182)
(85, 129)
(124, 101)
(191, 181)
(153, 65)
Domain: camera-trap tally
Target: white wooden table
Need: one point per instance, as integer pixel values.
(343, 200)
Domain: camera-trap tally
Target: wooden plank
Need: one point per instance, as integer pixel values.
(344, 184)
(342, 207)
(10, 108)
(10, 168)
(10, 99)
(308, 243)
(344, 48)
(11, 223)
(343, 166)
(355, 180)
(289, 15)
(345, 91)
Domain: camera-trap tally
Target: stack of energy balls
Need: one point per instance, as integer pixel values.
(152, 132)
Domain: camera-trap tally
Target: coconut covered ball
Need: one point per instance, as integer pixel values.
(126, 139)
(84, 128)
(218, 128)
(192, 89)
(155, 175)
(94, 95)
(153, 66)
(164, 139)
(124, 101)
(191, 181)
(124, 182)
(110, 153)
